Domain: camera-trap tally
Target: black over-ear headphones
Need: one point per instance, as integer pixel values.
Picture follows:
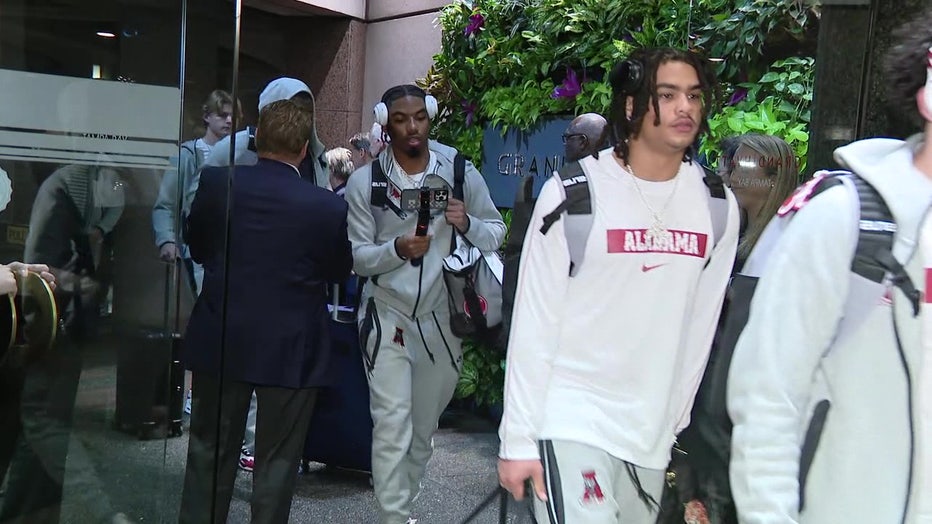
(627, 76)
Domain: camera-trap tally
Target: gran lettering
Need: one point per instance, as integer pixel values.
(675, 242)
(513, 164)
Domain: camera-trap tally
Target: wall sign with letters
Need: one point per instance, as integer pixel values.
(507, 159)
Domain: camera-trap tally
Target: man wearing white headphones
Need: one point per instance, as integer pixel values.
(412, 359)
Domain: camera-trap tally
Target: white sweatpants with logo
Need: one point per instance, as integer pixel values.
(587, 485)
(413, 366)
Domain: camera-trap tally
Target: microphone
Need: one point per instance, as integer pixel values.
(423, 219)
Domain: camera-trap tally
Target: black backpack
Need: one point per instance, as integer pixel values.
(577, 208)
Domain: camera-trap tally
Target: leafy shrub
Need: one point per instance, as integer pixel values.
(513, 63)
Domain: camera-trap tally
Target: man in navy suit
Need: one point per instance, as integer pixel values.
(260, 323)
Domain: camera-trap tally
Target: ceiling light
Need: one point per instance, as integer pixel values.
(105, 34)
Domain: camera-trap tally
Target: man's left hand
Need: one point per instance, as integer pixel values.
(456, 215)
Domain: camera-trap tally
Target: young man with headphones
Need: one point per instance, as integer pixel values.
(412, 358)
(603, 364)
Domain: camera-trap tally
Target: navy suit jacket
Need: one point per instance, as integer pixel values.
(288, 243)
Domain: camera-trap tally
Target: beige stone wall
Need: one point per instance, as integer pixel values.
(398, 51)
(349, 61)
(340, 80)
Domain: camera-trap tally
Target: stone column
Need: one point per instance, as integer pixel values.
(849, 97)
(332, 60)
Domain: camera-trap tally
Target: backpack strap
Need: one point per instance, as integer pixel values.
(873, 257)
(718, 204)
(378, 185)
(191, 147)
(577, 205)
(459, 176)
(459, 180)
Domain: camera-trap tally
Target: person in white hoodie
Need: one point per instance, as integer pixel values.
(833, 421)
(314, 168)
(602, 367)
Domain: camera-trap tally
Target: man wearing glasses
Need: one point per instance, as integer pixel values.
(585, 135)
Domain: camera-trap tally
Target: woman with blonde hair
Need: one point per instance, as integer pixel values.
(340, 161)
(762, 174)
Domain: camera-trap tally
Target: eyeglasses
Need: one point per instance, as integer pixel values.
(573, 135)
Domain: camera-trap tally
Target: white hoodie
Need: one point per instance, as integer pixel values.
(788, 376)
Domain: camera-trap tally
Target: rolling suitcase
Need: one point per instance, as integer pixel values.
(150, 379)
(340, 431)
(150, 385)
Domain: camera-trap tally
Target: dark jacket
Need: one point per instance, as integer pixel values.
(288, 242)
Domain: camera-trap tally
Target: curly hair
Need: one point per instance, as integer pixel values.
(340, 161)
(905, 65)
(624, 128)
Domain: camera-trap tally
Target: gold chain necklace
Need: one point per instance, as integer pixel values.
(657, 230)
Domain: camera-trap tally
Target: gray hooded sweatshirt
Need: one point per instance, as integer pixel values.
(278, 89)
(415, 290)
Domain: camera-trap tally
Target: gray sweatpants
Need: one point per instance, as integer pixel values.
(586, 484)
(412, 366)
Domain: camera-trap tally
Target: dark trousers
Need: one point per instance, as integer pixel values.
(37, 420)
(218, 420)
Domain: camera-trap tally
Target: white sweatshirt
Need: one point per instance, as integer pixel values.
(864, 448)
(613, 356)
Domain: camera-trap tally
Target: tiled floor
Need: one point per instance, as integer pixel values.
(143, 479)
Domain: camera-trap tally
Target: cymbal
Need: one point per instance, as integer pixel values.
(39, 312)
(28, 320)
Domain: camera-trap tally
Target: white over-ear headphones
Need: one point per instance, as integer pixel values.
(381, 110)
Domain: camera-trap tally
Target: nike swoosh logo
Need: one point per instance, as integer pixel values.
(645, 268)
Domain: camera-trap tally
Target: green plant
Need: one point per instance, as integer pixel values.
(740, 34)
(511, 64)
(777, 104)
(482, 375)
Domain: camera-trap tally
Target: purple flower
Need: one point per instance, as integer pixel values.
(476, 21)
(739, 95)
(570, 86)
(470, 109)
